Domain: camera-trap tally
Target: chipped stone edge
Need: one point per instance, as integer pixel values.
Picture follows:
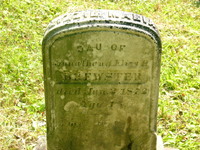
(102, 19)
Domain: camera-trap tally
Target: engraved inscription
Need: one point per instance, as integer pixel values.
(95, 14)
(60, 63)
(74, 124)
(99, 46)
(91, 105)
(78, 124)
(92, 76)
(82, 48)
(137, 90)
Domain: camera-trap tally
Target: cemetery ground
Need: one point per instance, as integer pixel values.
(22, 106)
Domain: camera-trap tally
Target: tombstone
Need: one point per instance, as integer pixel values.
(101, 76)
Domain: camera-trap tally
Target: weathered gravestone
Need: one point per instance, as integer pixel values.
(101, 71)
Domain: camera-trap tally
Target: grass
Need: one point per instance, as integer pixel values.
(22, 108)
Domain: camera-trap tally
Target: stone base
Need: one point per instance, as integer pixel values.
(41, 144)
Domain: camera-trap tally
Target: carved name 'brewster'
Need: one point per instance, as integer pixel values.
(101, 75)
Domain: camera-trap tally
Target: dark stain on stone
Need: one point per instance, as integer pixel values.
(128, 147)
(127, 139)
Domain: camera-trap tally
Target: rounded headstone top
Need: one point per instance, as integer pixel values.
(110, 19)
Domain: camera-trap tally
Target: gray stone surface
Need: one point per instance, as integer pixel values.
(41, 143)
(101, 75)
